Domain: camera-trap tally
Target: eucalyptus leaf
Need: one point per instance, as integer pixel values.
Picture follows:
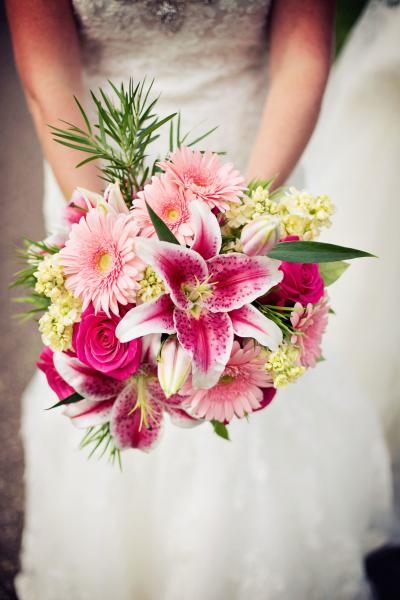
(220, 429)
(163, 232)
(314, 252)
(75, 397)
(330, 272)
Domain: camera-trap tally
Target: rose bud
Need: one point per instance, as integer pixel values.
(174, 366)
(260, 235)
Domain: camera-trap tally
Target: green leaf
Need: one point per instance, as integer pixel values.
(75, 397)
(163, 232)
(331, 271)
(314, 252)
(220, 429)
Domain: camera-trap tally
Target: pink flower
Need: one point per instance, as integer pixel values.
(84, 200)
(97, 346)
(99, 261)
(81, 201)
(239, 389)
(209, 298)
(54, 379)
(170, 202)
(205, 177)
(134, 408)
(311, 322)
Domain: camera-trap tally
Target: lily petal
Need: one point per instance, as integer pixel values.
(114, 199)
(173, 366)
(176, 265)
(86, 413)
(240, 279)
(90, 384)
(207, 232)
(154, 316)
(248, 322)
(126, 426)
(208, 339)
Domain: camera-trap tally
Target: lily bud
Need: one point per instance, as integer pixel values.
(114, 199)
(260, 235)
(174, 366)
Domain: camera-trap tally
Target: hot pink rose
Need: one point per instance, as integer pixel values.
(96, 345)
(301, 282)
(55, 381)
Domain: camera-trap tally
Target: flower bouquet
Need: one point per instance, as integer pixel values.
(181, 290)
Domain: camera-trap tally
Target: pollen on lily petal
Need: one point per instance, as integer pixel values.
(238, 391)
(99, 261)
(205, 177)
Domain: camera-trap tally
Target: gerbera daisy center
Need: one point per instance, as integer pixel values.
(104, 262)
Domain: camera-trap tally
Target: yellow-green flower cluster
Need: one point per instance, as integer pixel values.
(151, 286)
(56, 324)
(300, 213)
(303, 214)
(284, 365)
(50, 278)
(252, 206)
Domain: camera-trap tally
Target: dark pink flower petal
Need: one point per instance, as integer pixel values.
(90, 384)
(54, 379)
(126, 425)
(268, 396)
(207, 233)
(150, 317)
(175, 264)
(86, 413)
(208, 338)
(248, 322)
(240, 279)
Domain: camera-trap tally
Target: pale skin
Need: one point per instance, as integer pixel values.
(47, 54)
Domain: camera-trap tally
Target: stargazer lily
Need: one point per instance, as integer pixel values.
(134, 408)
(209, 297)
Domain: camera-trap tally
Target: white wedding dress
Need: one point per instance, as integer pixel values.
(289, 507)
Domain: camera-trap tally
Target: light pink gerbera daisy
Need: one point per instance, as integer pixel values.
(311, 322)
(170, 202)
(99, 262)
(205, 176)
(239, 390)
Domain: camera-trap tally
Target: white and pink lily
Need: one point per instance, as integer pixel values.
(209, 298)
(134, 408)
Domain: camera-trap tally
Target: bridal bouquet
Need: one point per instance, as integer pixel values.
(181, 290)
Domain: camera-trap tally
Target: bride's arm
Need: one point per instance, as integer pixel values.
(47, 55)
(300, 55)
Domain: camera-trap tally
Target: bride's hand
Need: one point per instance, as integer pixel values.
(47, 55)
(299, 61)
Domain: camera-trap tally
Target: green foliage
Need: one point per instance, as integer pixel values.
(330, 272)
(163, 232)
(100, 441)
(126, 126)
(220, 429)
(314, 252)
(75, 397)
(177, 139)
(279, 314)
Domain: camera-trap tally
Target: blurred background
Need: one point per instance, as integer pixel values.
(21, 182)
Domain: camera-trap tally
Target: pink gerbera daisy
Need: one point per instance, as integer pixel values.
(239, 390)
(99, 262)
(311, 322)
(170, 202)
(205, 177)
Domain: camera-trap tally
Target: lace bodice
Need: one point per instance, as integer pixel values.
(176, 32)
